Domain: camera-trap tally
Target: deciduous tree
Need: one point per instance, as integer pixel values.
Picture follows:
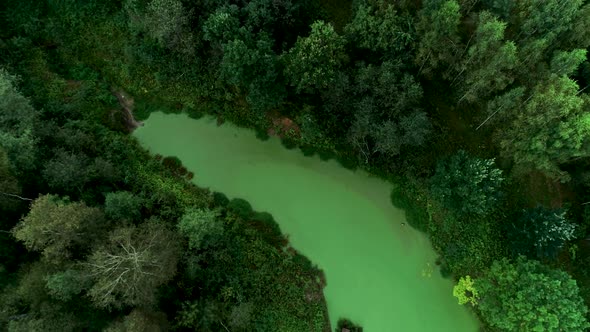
(67, 284)
(68, 172)
(17, 121)
(164, 21)
(547, 129)
(528, 296)
(140, 321)
(54, 226)
(489, 62)
(129, 266)
(122, 205)
(377, 26)
(566, 63)
(540, 233)
(252, 66)
(313, 62)
(202, 227)
(9, 187)
(438, 35)
(467, 185)
(222, 25)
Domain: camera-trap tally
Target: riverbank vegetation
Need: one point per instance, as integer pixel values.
(477, 111)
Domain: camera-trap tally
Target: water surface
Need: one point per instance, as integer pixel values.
(380, 272)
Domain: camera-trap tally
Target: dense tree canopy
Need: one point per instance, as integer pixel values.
(313, 61)
(438, 30)
(459, 102)
(467, 185)
(548, 128)
(55, 226)
(122, 205)
(202, 228)
(527, 296)
(17, 121)
(378, 27)
(540, 233)
(487, 65)
(134, 261)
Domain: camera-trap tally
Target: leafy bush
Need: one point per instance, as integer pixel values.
(122, 205)
(467, 185)
(540, 232)
(344, 323)
(240, 207)
(407, 197)
(288, 143)
(202, 228)
(220, 199)
(529, 296)
(269, 222)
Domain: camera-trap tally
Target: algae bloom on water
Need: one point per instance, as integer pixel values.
(380, 273)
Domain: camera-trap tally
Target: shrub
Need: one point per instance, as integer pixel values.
(240, 207)
(467, 185)
(220, 199)
(540, 232)
(288, 143)
(122, 205)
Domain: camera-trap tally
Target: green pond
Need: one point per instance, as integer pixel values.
(380, 273)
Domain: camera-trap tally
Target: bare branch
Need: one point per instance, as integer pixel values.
(17, 196)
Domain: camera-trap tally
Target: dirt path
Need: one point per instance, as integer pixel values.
(127, 103)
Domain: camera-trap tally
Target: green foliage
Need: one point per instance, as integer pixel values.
(344, 323)
(546, 19)
(199, 315)
(17, 121)
(385, 116)
(438, 33)
(129, 266)
(465, 291)
(220, 199)
(67, 171)
(164, 21)
(240, 207)
(312, 63)
(489, 61)
(140, 321)
(222, 26)
(408, 196)
(122, 205)
(393, 91)
(221, 57)
(468, 245)
(311, 131)
(528, 296)
(8, 184)
(66, 285)
(54, 226)
(377, 26)
(566, 63)
(270, 229)
(540, 233)
(202, 227)
(579, 33)
(241, 315)
(548, 129)
(467, 185)
(51, 318)
(168, 194)
(255, 69)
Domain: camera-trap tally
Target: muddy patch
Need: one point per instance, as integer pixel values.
(127, 105)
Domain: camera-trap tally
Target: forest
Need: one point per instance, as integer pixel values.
(478, 112)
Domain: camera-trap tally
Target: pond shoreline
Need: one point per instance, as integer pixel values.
(319, 205)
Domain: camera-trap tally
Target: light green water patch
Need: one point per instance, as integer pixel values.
(380, 273)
